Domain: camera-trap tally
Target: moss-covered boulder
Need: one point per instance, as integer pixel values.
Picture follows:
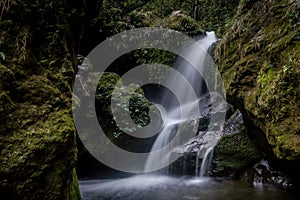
(38, 57)
(259, 58)
(233, 155)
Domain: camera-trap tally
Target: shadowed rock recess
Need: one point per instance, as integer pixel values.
(259, 58)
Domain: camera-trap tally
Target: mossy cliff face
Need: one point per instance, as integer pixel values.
(259, 58)
(38, 58)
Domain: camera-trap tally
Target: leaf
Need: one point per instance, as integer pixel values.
(2, 55)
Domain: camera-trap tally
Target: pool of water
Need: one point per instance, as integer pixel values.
(158, 187)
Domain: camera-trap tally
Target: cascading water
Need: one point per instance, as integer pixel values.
(206, 161)
(174, 115)
(155, 186)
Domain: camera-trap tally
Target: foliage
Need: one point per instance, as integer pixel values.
(138, 107)
(115, 17)
(180, 21)
(215, 15)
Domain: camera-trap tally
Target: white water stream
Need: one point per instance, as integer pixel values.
(174, 115)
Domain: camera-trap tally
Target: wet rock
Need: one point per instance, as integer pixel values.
(265, 175)
(196, 147)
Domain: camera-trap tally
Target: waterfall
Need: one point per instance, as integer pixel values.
(206, 161)
(197, 164)
(174, 115)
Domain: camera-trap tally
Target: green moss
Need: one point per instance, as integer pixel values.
(259, 59)
(37, 143)
(74, 187)
(287, 146)
(34, 149)
(234, 154)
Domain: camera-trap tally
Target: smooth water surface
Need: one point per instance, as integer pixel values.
(159, 187)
